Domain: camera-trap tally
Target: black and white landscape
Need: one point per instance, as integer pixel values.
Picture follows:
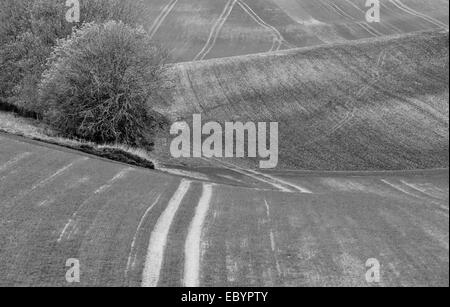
(92, 194)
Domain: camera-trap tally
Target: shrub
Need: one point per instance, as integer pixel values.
(28, 31)
(99, 81)
(48, 16)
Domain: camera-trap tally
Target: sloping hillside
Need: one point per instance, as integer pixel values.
(129, 226)
(373, 104)
(205, 29)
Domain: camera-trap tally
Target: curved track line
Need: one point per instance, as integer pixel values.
(419, 189)
(132, 255)
(158, 238)
(14, 160)
(277, 35)
(44, 182)
(281, 181)
(273, 244)
(192, 249)
(369, 29)
(276, 45)
(424, 16)
(72, 221)
(278, 38)
(161, 17)
(244, 172)
(56, 174)
(277, 41)
(280, 184)
(114, 179)
(363, 12)
(398, 188)
(213, 35)
(410, 11)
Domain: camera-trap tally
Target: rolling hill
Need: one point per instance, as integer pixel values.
(130, 226)
(353, 97)
(365, 105)
(204, 29)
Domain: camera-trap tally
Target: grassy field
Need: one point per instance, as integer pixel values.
(118, 220)
(204, 29)
(373, 104)
(348, 100)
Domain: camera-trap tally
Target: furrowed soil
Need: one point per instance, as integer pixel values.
(203, 29)
(375, 104)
